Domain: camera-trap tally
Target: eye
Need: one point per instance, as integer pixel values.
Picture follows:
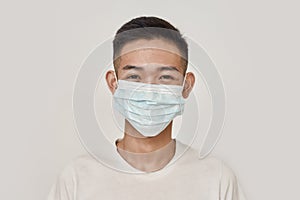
(133, 77)
(167, 77)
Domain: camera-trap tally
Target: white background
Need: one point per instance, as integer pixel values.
(255, 45)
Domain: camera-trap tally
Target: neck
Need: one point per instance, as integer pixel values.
(147, 153)
(134, 142)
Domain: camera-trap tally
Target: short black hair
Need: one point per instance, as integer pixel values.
(149, 28)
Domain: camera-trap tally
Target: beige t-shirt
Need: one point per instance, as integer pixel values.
(188, 178)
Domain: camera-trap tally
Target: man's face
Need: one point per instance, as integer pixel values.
(151, 61)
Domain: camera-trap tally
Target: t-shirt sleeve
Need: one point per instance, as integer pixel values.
(65, 186)
(230, 188)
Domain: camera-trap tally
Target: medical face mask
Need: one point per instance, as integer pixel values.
(149, 108)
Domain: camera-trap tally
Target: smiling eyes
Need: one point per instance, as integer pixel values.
(167, 77)
(137, 77)
(133, 77)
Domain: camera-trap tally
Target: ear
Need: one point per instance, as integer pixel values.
(111, 81)
(188, 84)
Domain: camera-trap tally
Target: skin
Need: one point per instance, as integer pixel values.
(155, 62)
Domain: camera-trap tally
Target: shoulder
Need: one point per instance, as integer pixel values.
(83, 161)
(83, 168)
(227, 173)
(191, 157)
(229, 185)
(84, 164)
(211, 164)
(66, 181)
(76, 164)
(207, 168)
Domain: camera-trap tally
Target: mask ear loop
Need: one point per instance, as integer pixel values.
(117, 80)
(183, 83)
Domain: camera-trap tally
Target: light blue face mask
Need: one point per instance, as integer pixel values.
(149, 108)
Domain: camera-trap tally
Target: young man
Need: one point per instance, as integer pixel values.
(149, 87)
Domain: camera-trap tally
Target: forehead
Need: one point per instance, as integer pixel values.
(143, 44)
(156, 51)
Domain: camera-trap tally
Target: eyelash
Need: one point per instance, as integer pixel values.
(168, 77)
(162, 77)
(131, 77)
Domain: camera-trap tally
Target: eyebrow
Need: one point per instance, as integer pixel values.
(168, 68)
(164, 68)
(128, 67)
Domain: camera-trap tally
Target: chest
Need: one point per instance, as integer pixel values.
(173, 186)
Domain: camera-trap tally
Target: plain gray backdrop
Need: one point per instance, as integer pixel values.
(255, 45)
